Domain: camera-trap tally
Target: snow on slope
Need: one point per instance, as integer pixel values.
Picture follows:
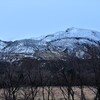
(2, 44)
(22, 46)
(54, 43)
(28, 46)
(74, 32)
(83, 33)
(69, 38)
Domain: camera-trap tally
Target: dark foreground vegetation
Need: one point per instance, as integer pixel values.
(40, 73)
(32, 73)
(50, 73)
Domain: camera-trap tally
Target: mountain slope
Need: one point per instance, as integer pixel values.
(74, 32)
(52, 46)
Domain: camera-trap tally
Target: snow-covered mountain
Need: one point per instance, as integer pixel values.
(72, 41)
(74, 32)
(72, 36)
(3, 44)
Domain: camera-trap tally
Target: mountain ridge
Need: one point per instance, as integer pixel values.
(53, 45)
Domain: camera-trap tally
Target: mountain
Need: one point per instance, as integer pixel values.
(73, 41)
(3, 44)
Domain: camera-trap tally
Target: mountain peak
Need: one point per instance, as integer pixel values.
(73, 33)
(53, 44)
(85, 33)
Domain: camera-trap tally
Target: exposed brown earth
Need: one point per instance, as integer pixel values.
(50, 93)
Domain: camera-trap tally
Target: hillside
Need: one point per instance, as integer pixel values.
(54, 46)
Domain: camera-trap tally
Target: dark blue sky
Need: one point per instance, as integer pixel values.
(32, 18)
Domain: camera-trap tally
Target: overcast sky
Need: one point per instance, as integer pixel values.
(32, 18)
